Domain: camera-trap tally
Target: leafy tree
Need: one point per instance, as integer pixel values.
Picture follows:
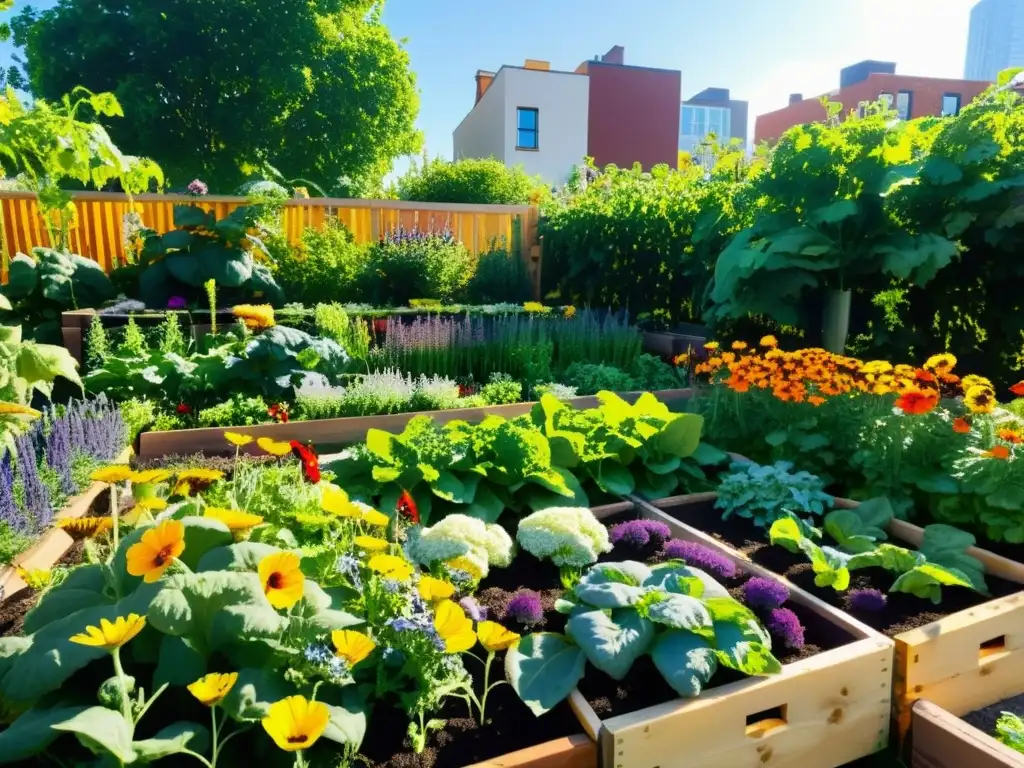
(216, 90)
(468, 181)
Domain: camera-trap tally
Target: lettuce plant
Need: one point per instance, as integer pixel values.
(763, 494)
(618, 612)
(1010, 731)
(571, 537)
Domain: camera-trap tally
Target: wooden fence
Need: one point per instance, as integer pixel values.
(97, 231)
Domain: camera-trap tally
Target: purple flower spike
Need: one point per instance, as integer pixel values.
(640, 533)
(176, 302)
(785, 625)
(473, 609)
(196, 187)
(764, 593)
(699, 556)
(867, 600)
(525, 608)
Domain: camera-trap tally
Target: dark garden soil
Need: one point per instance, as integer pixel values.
(902, 612)
(984, 719)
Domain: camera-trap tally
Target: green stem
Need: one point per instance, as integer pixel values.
(213, 754)
(230, 736)
(299, 760)
(149, 703)
(115, 518)
(126, 705)
(487, 688)
(197, 756)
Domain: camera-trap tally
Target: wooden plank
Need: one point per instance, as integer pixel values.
(571, 752)
(943, 740)
(72, 338)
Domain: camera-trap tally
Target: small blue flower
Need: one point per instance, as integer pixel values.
(348, 566)
(391, 586)
(337, 668)
(318, 653)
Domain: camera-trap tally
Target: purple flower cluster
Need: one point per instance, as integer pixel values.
(197, 188)
(401, 235)
(786, 626)
(177, 302)
(700, 556)
(38, 507)
(473, 609)
(525, 607)
(764, 593)
(867, 600)
(8, 510)
(639, 533)
(419, 621)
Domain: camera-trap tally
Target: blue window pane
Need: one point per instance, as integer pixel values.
(687, 121)
(528, 119)
(527, 140)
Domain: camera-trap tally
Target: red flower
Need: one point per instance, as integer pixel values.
(380, 325)
(184, 409)
(998, 452)
(310, 461)
(917, 401)
(1018, 389)
(924, 376)
(406, 507)
(465, 391)
(278, 412)
(962, 426)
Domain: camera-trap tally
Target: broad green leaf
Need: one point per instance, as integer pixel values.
(544, 668)
(254, 692)
(614, 478)
(177, 663)
(738, 648)
(947, 546)
(173, 740)
(685, 660)
(448, 487)
(681, 436)
(612, 643)
(347, 723)
(613, 585)
(243, 556)
(681, 612)
(103, 729)
(58, 603)
(33, 732)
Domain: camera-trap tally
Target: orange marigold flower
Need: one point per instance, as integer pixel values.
(815, 400)
(728, 357)
(917, 401)
(1018, 389)
(1010, 436)
(769, 341)
(711, 346)
(998, 452)
(961, 426)
(737, 383)
(943, 363)
(739, 346)
(924, 376)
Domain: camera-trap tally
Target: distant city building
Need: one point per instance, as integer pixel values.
(867, 82)
(996, 39)
(711, 111)
(548, 120)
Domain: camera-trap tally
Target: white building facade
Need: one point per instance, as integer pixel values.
(996, 40)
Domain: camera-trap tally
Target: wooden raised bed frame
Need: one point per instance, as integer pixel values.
(961, 662)
(829, 709)
(571, 752)
(943, 740)
(51, 546)
(328, 434)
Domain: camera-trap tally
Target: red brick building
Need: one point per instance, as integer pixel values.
(865, 83)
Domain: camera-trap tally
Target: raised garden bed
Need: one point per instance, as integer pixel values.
(55, 542)
(829, 706)
(668, 345)
(332, 434)
(962, 654)
(943, 740)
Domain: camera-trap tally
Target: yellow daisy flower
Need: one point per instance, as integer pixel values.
(111, 635)
(212, 688)
(282, 579)
(391, 567)
(494, 637)
(454, 627)
(115, 473)
(295, 723)
(277, 448)
(238, 439)
(352, 646)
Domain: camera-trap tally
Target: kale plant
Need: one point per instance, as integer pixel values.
(764, 494)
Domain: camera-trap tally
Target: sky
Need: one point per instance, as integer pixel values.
(762, 50)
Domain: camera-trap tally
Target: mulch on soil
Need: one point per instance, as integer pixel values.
(902, 612)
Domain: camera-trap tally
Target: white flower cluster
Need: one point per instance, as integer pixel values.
(461, 536)
(569, 536)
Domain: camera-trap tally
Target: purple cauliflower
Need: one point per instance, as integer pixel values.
(639, 533)
(786, 626)
(764, 593)
(525, 607)
(867, 600)
(700, 556)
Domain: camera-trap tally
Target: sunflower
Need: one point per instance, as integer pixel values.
(111, 635)
(115, 473)
(998, 452)
(199, 479)
(295, 723)
(352, 646)
(961, 426)
(391, 567)
(494, 637)
(282, 579)
(150, 476)
(277, 448)
(212, 688)
(236, 520)
(769, 341)
(454, 627)
(432, 589)
(370, 543)
(917, 401)
(156, 550)
(237, 439)
(85, 527)
(943, 363)
(980, 400)
(256, 317)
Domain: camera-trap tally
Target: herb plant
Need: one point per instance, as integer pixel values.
(763, 494)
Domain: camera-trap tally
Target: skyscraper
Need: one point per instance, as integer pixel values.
(996, 39)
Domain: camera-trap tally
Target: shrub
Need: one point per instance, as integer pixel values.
(435, 394)
(325, 267)
(651, 374)
(568, 536)
(500, 276)
(765, 493)
(468, 180)
(502, 389)
(239, 411)
(416, 265)
(589, 379)
(137, 415)
(333, 322)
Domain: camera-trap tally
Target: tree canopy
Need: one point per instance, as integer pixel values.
(318, 89)
(468, 180)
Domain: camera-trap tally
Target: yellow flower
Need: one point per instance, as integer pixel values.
(282, 579)
(373, 517)
(156, 550)
(234, 519)
(454, 627)
(535, 307)
(238, 439)
(111, 636)
(35, 578)
(149, 476)
(295, 723)
(432, 589)
(277, 448)
(212, 688)
(196, 480)
(769, 341)
(336, 501)
(352, 646)
(391, 567)
(86, 527)
(14, 409)
(494, 637)
(151, 503)
(466, 565)
(115, 473)
(256, 317)
(711, 346)
(313, 521)
(370, 543)
(980, 400)
(569, 312)
(943, 363)
(970, 381)
(739, 346)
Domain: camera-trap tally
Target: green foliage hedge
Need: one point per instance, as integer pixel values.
(468, 181)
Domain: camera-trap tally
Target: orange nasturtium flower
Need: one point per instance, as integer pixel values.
(998, 452)
(917, 401)
(961, 426)
(282, 579)
(1010, 436)
(1018, 389)
(156, 550)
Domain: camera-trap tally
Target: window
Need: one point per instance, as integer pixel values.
(951, 105)
(905, 104)
(697, 122)
(886, 99)
(526, 128)
(862, 109)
